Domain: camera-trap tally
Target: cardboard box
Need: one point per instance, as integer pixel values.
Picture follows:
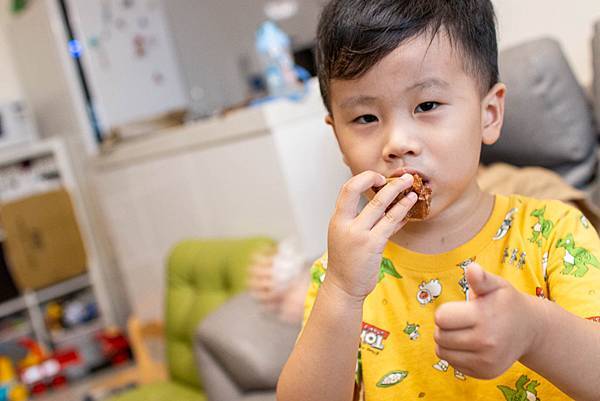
(43, 242)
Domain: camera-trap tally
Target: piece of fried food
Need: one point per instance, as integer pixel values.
(421, 208)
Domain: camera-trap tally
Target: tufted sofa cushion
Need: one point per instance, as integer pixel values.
(201, 275)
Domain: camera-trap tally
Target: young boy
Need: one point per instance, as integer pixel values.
(489, 297)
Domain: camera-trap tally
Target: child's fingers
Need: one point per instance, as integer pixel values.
(482, 282)
(456, 315)
(261, 283)
(472, 364)
(375, 209)
(462, 360)
(395, 218)
(266, 297)
(460, 340)
(261, 271)
(349, 197)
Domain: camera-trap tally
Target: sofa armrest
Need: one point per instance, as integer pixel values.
(250, 345)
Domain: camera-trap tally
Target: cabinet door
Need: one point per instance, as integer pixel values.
(314, 172)
(230, 190)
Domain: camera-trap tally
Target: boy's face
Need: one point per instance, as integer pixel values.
(418, 110)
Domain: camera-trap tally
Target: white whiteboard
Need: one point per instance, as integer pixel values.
(128, 58)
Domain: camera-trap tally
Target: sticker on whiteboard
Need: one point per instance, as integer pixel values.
(158, 78)
(139, 44)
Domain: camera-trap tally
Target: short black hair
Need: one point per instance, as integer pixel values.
(354, 35)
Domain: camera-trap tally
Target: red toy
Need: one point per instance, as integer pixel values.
(115, 346)
(39, 371)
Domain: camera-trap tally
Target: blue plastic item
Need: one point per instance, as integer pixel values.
(281, 76)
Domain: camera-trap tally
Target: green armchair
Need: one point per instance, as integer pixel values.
(201, 275)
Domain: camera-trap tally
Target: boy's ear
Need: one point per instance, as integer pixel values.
(492, 109)
(329, 121)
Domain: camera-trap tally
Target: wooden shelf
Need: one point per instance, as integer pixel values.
(63, 288)
(51, 162)
(13, 306)
(67, 336)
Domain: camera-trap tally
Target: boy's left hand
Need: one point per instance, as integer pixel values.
(483, 337)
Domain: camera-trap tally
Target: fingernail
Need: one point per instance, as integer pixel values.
(407, 177)
(412, 196)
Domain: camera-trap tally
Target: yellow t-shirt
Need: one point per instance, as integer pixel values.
(543, 248)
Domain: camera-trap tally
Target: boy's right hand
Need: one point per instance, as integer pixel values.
(356, 240)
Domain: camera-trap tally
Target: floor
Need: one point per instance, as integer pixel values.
(96, 385)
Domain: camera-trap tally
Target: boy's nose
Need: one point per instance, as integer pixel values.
(400, 144)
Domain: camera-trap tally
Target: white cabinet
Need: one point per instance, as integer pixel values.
(273, 170)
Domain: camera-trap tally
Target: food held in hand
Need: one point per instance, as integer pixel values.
(420, 209)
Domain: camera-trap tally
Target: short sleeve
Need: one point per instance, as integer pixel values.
(572, 264)
(317, 275)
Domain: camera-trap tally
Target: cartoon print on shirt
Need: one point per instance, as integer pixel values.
(412, 330)
(373, 336)
(429, 291)
(387, 267)
(521, 262)
(318, 271)
(392, 378)
(513, 257)
(443, 365)
(539, 292)
(317, 274)
(584, 221)
(506, 224)
(525, 390)
(542, 228)
(464, 285)
(576, 259)
(545, 266)
(504, 255)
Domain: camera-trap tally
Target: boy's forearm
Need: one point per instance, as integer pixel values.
(566, 351)
(323, 362)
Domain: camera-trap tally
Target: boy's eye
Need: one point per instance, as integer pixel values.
(366, 119)
(427, 106)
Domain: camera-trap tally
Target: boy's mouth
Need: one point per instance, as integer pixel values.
(420, 210)
(402, 171)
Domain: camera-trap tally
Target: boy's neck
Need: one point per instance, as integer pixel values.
(455, 226)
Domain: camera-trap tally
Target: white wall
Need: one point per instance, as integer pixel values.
(568, 21)
(210, 42)
(212, 37)
(9, 82)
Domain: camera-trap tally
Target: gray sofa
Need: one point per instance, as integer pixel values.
(240, 350)
(549, 122)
